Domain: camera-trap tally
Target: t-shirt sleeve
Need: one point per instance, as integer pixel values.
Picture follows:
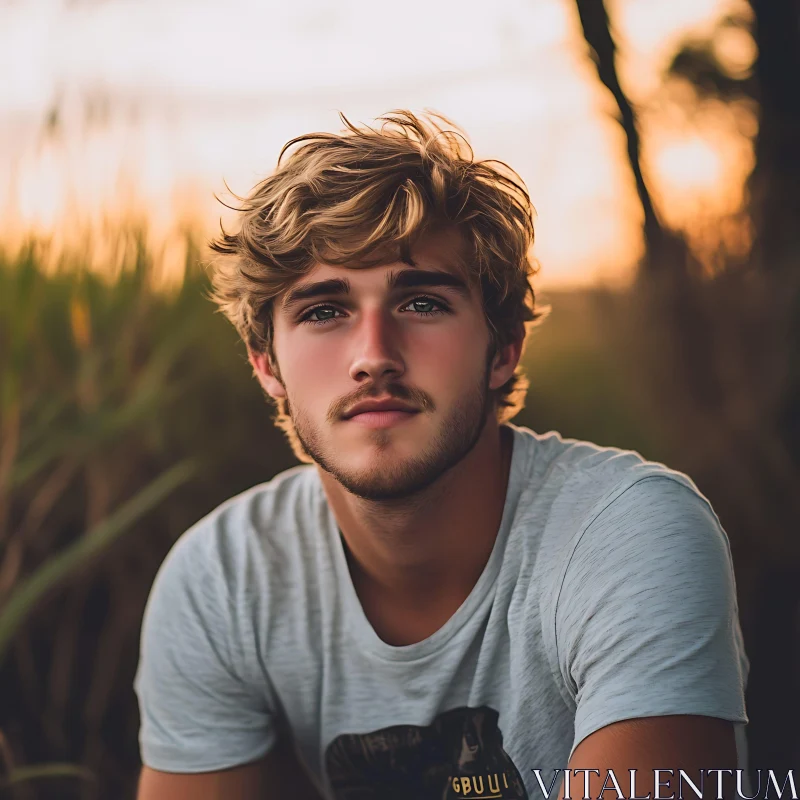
(646, 617)
(200, 702)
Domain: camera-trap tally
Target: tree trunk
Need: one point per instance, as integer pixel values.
(774, 182)
(660, 247)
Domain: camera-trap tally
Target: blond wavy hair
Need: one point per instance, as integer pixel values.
(364, 197)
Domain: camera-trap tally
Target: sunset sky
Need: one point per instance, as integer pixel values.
(160, 103)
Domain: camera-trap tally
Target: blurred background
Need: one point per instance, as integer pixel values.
(659, 142)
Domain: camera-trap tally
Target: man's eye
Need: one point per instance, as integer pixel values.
(425, 306)
(319, 315)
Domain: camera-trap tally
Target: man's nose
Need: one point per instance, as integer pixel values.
(377, 348)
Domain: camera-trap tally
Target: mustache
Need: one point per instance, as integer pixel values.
(397, 391)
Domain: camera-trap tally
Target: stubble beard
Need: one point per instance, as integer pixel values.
(457, 436)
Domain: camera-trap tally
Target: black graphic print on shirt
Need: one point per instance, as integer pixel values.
(459, 756)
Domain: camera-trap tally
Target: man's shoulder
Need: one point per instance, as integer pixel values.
(572, 482)
(615, 504)
(583, 474)
(257, 526)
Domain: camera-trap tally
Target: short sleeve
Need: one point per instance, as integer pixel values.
(201, 706)
(646, 618)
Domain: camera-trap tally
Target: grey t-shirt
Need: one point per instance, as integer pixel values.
(609, 595)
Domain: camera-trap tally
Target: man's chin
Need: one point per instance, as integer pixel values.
(385, 474)
(409, 435)
(383, 487)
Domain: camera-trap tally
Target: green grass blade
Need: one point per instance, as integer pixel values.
(55, 769)
(62, 566)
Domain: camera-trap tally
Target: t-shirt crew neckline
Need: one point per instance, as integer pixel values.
(360, 627)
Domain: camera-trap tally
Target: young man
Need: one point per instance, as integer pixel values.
(440, 604)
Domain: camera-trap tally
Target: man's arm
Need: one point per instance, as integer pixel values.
(681, 742)
(276, 776)
(205, 704)
(648, 640)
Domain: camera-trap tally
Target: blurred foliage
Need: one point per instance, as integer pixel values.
(128, 412)
(703, 63)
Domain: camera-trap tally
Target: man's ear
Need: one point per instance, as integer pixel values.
(265, 374)
(505, 361)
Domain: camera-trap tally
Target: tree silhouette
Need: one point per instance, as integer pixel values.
(774, 202)
(662, 248)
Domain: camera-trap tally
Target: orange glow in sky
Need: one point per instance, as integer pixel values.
(690, 165)
(121, 106)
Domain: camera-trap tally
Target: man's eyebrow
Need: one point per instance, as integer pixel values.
(308, 291)
(404, 279)
(415, 278)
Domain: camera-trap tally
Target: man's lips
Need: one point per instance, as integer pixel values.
(381, 419)
(372, 407)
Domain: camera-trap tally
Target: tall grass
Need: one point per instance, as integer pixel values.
(125, 414)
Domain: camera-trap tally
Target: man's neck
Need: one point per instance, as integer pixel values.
(414, 561)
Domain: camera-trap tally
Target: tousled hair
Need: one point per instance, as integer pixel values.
(365, 197)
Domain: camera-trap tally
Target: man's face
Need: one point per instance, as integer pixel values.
(386, 370)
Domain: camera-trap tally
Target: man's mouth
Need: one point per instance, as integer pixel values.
(380, 413)
(390, 405)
